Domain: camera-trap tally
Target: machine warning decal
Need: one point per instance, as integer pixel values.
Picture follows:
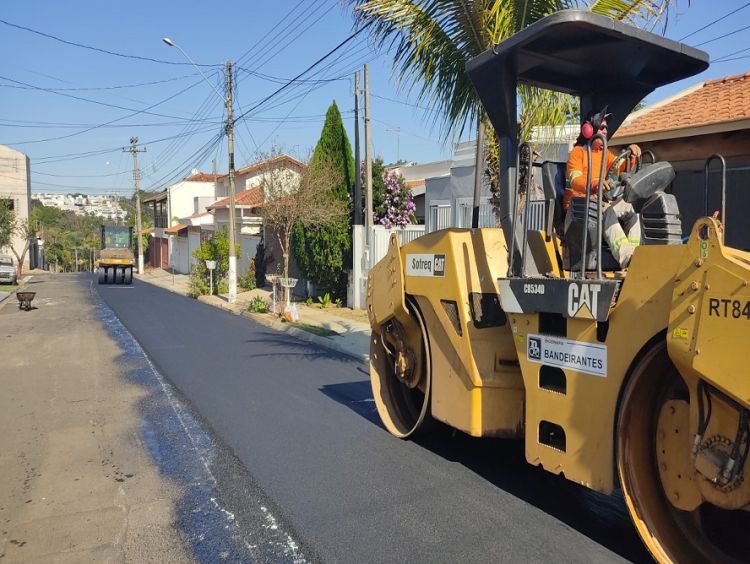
(425, 265)
(724, 307)
(587, 358)
(681, 333)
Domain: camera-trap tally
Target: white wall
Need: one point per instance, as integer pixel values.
(15, 184)
(182, 197)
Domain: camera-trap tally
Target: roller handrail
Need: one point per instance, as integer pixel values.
(723, 187)
(602, 171)
(514, 221)
(526, 205)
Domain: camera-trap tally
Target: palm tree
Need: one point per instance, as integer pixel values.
(433, 39)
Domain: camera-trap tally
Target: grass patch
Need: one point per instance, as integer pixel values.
(316, 330)
(8, 287)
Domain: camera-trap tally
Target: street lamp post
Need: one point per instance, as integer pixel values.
(228, 103)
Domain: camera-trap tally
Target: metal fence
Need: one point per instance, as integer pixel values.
(381, 236)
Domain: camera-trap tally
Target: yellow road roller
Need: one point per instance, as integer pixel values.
(617, 379)
(116, 259)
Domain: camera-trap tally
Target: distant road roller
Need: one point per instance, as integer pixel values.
(116, 259)
(617, 379)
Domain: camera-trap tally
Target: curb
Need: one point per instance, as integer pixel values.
(276, 325)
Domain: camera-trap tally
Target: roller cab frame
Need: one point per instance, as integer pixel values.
(633, 380)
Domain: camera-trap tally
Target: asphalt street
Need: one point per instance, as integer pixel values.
(300, 430)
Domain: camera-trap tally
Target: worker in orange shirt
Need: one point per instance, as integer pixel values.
(622, 229)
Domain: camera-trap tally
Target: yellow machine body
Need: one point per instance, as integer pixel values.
(482, 380)
(477, 384)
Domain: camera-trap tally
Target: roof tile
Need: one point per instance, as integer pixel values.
(716, 101)
(252, 197)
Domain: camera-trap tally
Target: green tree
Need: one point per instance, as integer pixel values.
(7, 223)
(217, 249)
(323, 252)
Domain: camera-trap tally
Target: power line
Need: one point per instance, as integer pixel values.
(134, 113)
(258, 42)
(284, 42)
(89, 47)
(722, 36)
(724, 57)
(320, 60)
(33, 172)
(400, 102)
(117, 87)
(73, 156)
(714, 22)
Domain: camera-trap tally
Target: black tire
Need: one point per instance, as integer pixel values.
(110, 275)
(119, 274)
(128, 278)
(102, 275)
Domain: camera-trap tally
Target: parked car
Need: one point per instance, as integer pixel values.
(7, 270)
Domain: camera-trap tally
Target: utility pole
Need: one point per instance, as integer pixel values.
(75, 250)
(357, 169)
(357, 255)
(232, 274)
(137, 181)
(368, 159)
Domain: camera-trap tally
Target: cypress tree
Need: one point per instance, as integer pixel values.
(324, 253)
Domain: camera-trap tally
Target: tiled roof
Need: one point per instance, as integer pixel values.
(713, 102)
(281, 159)
(176, 228)
(252, 198)
(156, 197)
(200, 214)
(203, 177)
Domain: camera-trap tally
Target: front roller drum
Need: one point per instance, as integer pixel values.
(400, 374)
(654, 462)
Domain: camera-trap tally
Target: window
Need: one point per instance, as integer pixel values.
(160, 214)
(9, 203)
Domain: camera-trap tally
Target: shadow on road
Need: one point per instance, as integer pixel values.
(602, 518)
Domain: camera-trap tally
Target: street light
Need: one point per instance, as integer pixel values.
(232, 274)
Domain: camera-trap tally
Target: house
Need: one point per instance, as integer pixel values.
(170, 246)
(15, 191)
(449, 196)
(249, 197)
(415, 176)
(712, 117)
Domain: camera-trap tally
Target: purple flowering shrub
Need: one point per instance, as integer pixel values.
(398, 205)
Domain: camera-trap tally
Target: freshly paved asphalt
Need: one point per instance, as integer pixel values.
(302, 425)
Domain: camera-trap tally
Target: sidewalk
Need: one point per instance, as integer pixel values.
(344, 331)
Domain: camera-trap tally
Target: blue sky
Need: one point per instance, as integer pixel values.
(50, 90)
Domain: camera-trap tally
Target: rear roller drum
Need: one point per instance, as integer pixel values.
(400, 375)
(654, 462)
(128, 275)
(110, 275)
(119, 274)
(102, 274)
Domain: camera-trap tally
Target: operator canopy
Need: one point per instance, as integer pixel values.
(601, 60)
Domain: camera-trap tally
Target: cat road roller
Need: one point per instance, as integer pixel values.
(116, 257)
(632, 380)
